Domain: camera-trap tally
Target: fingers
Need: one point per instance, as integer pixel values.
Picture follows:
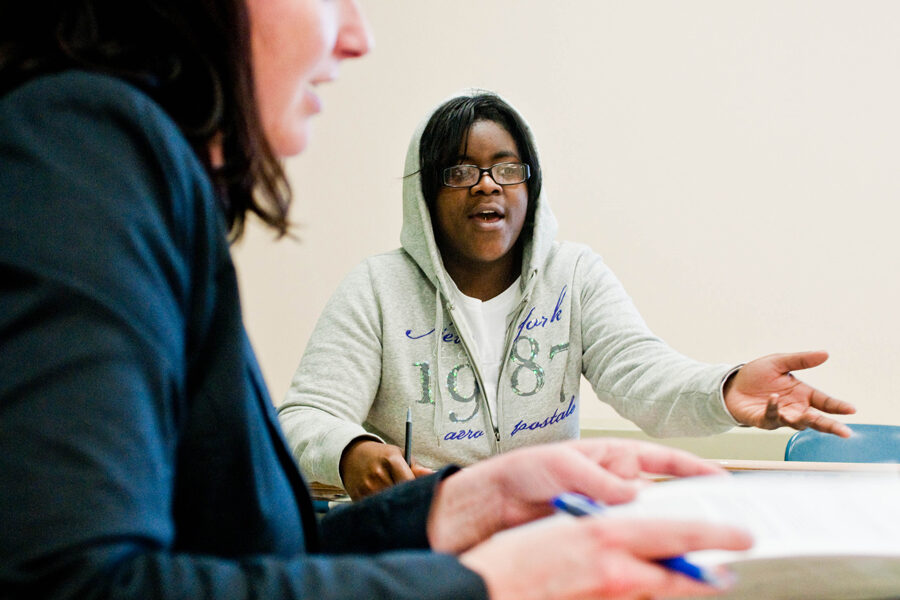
(630, 458)
(670, 461)
(820, 401)
(651, 580)
(813, 419)
(580, 473)
(795, 404)
(370, 466)
(396, 466)
(649, 541)
(608, 469)
(829, 404)
(827, 425)
(362, 484)
(596, 558)
(654, 539)
(816, 405)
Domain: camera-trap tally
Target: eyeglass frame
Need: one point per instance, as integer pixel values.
(481, 173)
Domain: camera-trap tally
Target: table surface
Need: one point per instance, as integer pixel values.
(799, 465)
(335, 494)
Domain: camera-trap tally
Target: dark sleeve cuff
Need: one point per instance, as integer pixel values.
(391, 520)
(402, 575)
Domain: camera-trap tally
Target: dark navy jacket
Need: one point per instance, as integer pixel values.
(139, 453)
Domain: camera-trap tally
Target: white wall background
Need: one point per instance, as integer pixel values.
(735, 162)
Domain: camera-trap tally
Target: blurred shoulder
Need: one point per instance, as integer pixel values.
(74, 90)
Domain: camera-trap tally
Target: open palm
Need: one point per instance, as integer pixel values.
(765, 394)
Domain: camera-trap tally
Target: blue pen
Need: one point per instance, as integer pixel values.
(581, 506)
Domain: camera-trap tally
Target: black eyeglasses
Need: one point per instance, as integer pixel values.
(463, 176)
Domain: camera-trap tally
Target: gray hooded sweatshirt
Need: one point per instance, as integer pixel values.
(391, 339)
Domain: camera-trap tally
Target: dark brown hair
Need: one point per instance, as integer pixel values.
(191, 56)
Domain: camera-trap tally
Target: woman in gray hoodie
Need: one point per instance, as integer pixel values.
(482, 324)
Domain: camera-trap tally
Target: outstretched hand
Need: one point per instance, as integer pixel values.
(765, 394)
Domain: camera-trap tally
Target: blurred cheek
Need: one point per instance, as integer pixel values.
(282, 89)
(287, 46)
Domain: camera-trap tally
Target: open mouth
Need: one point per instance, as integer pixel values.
(487, 216)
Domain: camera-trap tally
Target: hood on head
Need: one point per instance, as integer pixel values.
(417, 233)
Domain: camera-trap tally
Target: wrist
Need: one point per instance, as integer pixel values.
(724, 392)
(465, 511)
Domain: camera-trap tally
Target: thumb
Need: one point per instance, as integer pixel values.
(418, 469)
(798, 360)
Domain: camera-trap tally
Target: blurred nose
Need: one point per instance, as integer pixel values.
(355, 35)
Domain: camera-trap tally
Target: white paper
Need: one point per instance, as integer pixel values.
(817, 535)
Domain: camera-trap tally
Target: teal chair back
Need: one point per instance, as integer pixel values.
(869, 443)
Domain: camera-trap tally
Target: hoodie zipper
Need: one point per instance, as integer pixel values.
(479, 380)
(523, 303)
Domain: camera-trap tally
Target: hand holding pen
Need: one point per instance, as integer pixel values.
(368, 465)
(477, 513)
(596, 558)
(582, 506)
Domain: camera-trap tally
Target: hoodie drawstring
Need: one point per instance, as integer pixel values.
(438, 397)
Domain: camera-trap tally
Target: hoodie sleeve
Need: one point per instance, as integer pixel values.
(335, 384)
(640, 376)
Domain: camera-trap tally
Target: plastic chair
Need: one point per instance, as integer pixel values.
(869, 443)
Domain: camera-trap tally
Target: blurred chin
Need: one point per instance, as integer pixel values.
(290, 141)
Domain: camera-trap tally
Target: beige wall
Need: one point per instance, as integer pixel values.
(736, 163)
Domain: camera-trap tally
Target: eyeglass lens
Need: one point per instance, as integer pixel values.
(469, 175)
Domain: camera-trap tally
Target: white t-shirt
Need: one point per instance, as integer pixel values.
(488, 321)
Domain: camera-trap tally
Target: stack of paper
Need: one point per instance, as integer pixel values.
(817, 535)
